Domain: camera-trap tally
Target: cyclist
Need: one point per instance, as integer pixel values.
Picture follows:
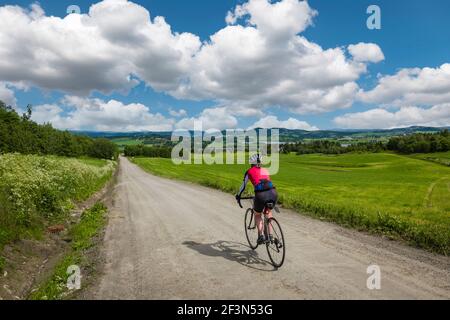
(264, 192)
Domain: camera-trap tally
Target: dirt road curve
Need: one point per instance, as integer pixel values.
(174, 240)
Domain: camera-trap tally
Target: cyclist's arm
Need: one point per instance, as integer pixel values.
(244, 184)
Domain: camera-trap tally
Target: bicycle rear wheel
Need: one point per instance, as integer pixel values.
(251, 231)
(276, 249)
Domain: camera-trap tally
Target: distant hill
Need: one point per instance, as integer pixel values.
(286, 135)
(110, 135)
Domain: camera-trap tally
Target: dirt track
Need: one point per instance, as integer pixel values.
(175, 240)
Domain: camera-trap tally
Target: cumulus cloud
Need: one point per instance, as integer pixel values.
(258, 60)
(366, 52)
(178, 113)
(380, 118)
(415, 86)
(264, 62)
(270, 122)
(279, 20)
(213, 118)
(95, 114)
(104, 50)
(7, 95)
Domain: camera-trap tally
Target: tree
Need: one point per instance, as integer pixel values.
(104, 149)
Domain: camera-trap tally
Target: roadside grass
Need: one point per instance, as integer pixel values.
(384, 193)
(2, 263)
(439, 157)
(91, 223)
(93, 161)
(39, 190)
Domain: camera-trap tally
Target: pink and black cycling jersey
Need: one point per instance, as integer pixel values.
(260, 179)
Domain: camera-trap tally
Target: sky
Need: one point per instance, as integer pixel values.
(160, 65)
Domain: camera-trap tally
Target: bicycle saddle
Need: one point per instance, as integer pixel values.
(270, 204)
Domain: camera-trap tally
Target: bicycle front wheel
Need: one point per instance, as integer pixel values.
(251, 231)
(276, 248)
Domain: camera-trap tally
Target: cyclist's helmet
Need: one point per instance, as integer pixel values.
(256, 160)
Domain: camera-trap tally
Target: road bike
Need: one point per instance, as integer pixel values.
(275, 244)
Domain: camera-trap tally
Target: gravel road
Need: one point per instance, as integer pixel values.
(174, 240)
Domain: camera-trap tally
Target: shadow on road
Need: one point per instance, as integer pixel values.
(232, 251)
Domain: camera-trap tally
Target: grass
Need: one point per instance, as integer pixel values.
(82, 234)
(384, 193)
(39, 190)
(439, 157)
(93, 161)
(2, 263)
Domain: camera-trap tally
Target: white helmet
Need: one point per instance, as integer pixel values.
(255, 159)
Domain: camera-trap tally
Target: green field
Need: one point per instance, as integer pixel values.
(385, 193)
(439, 157)
(126, 141)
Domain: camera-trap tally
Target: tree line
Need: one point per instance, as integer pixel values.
(18, 133)
(148, 151)
(331, 147)
(421, 143)
(408, 144)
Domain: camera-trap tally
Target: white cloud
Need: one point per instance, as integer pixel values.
(178, 113)
(7, 95)
(277, 20)
(427, 86)
(96, 114)
(214, 118)
(380, 118)
(273, 65)
(258, 63)
(96, 51)
(270, 122)
(366, 52)
(259, 60)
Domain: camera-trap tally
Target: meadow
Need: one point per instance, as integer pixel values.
(126, 141)
(398, 196)
(37, 190)
(438, 157)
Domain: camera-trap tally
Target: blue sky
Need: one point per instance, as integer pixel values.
(414, 34)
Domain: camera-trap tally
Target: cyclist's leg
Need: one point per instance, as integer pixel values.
(273, 197)
(258, 208)
(269, 215)
(259, 222)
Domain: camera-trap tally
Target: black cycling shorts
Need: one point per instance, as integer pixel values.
(261, 198)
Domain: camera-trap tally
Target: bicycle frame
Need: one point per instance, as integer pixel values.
(264, 214)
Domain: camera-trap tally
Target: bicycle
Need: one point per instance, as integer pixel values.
(275, 245)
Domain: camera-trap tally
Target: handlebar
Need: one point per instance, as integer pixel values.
(244, 198)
